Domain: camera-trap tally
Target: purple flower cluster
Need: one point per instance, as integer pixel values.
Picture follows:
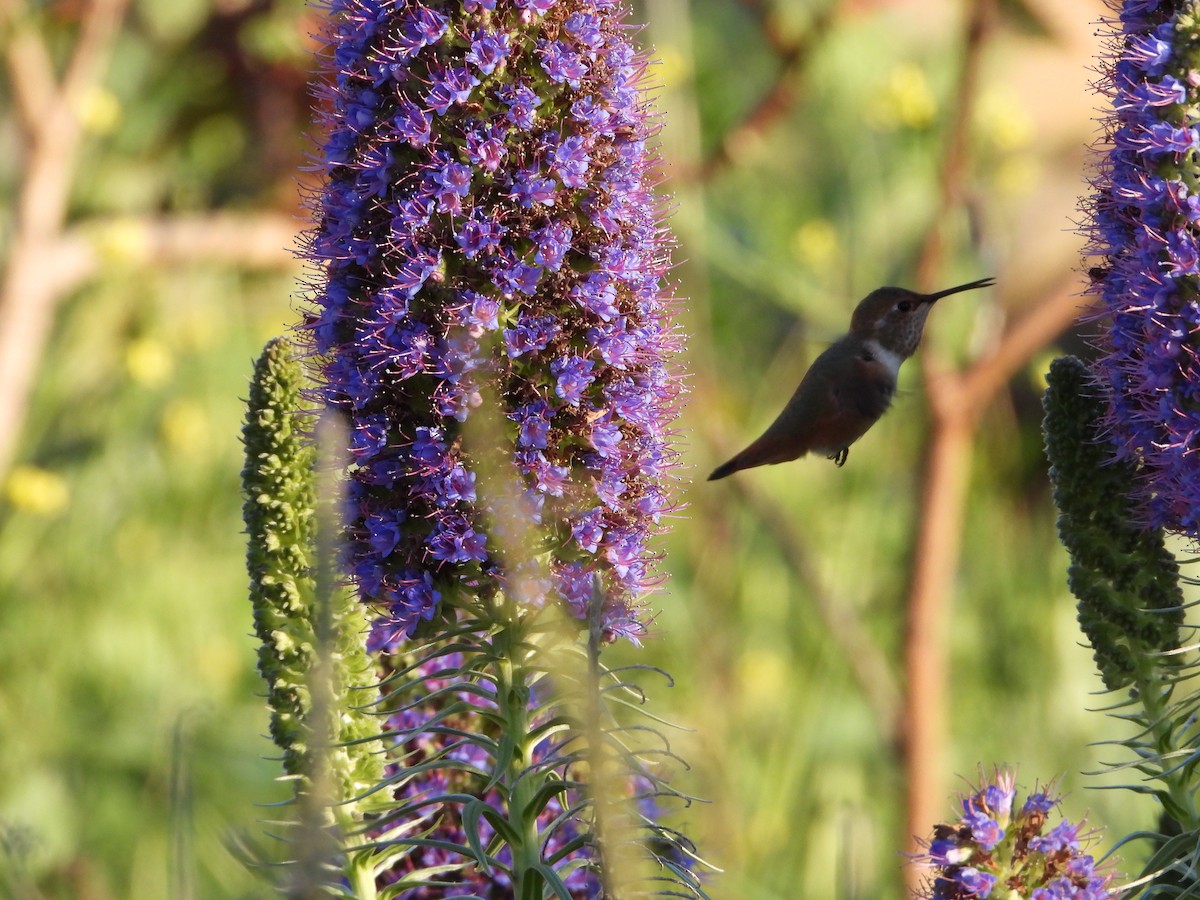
(1144, 233)
(994, 851)
(487, 227)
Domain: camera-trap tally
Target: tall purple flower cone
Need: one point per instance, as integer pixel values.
(487, 227)
(1143, 233)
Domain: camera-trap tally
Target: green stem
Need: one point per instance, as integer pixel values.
(512, 697)
(359, 870)
(1177, 780)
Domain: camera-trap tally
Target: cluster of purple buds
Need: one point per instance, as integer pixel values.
(487, 227)
(998, 850)
(1144, 234)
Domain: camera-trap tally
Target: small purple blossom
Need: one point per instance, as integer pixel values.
(458, 485)
(1064, 836)
(606, 438)
(571, 161)
(590, 111)
(479, 237)
(532, 333)
(483, 313)
(598, 295)
(449, 86)
(533, 424)
(485, 148)
(487, 51)
(410, 600)
(984, 830)
(553, 241)
(973, 881)
(521, 102)
(1038, 802)
(412, 123)
(420, 28)
(369, 436)
(453, 540)
(588, 530)
(454, 178)
(562, 64)
(573, 375)
(586, 29)
(513, 276)
(528, 189)
(617, 346)
(384, 531)
(537, 7)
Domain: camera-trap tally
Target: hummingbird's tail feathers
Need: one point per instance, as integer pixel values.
(724, 470)
(766, 451)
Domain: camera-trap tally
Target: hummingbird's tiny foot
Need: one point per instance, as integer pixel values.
(839, 458)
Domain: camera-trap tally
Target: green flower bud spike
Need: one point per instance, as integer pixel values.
(1126, 582)
(299, 628)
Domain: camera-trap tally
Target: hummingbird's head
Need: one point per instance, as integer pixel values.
(896, 316)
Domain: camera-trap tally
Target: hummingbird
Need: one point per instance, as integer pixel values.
(850, 385)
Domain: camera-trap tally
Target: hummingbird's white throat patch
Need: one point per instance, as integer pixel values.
(889, 358)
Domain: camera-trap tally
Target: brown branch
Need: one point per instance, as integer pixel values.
(952, 171)
(27, 60)
(944, 480)
(781, 94)
(258, 241)
(90, 54)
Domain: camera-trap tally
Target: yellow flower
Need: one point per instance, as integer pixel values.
(185, 428)
(906, 101)
(148, 362)
(38, 491)
(817, 245)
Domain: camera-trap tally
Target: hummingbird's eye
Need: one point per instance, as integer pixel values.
(904, 306)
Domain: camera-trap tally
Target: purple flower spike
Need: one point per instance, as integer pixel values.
(486, 229)
(1146, 266)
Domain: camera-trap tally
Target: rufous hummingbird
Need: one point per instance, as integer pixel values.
(850, 385)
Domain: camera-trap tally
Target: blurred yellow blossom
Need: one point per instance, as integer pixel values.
(99, 110)
(122, 240)
(816, 244)
(669, 66)
(185, 427)
(148, 361)
(761, 672)
(39, 491)
(1004, 120)
(906, 101)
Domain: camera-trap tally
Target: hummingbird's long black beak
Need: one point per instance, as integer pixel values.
(981, 283)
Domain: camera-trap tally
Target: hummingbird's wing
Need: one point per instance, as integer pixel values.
(854, 404)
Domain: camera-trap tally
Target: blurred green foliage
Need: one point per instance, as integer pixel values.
(132, 720)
